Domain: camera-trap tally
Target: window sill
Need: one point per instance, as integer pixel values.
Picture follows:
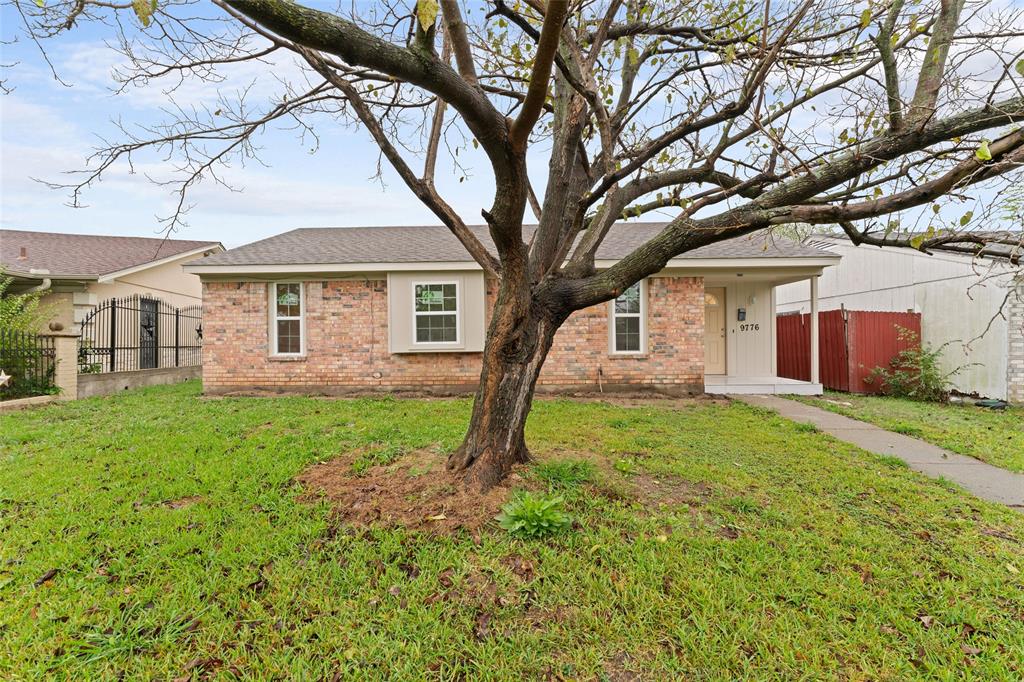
(417, 350)
(286, 358)
(628, 356)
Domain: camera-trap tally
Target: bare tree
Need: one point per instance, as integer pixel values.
(729, 117)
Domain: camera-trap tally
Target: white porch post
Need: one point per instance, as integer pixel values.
(815, 370)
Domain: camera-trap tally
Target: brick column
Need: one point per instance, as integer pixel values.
(65, 345)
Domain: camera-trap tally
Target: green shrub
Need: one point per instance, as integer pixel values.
(566, 472)
(530, 515)
(21, 312)
(915, 373)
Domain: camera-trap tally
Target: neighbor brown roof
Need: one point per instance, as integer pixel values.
(436, 244)
(85, 255)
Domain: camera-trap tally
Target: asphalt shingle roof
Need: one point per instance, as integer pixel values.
(436, 244)
(83, 254)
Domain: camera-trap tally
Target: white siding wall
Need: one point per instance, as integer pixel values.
(955, 301)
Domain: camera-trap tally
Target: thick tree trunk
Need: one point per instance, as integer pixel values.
(518, 342)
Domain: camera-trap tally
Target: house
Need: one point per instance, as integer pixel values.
(77, 271)
(336, 310)
(976, 305)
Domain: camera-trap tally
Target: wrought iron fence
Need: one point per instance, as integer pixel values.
(30, 362)
(137, 332)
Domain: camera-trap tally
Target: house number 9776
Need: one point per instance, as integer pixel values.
(750, 327)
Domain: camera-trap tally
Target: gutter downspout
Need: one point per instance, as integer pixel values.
(44, 286)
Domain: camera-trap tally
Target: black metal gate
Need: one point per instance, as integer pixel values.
(124, 334)
(149, 332)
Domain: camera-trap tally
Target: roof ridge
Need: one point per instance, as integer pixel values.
(109, 236)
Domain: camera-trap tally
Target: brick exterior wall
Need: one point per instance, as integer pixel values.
(347, 344)
(1015, 345)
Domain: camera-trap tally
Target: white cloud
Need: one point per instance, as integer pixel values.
(39, 142)
(95, 67)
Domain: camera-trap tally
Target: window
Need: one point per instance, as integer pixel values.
(286, 322)
(436, 312)
(628, 327)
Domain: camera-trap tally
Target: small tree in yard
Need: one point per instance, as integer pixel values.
(726, 116)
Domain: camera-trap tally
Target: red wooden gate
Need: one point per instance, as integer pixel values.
(851, 344)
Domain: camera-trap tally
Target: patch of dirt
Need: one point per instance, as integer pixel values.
(182, 502)
(651, 490)
(668, 490)
(415, 491)
(618, 669)
(728, 532)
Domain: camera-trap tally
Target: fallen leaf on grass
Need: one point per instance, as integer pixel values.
(45, 577)
(482, 628)
(199, 666)
(259, 585)
(412, 571)
(866, 575)
(970, 650)
(203, 664)
(926, 621)
(520, 567)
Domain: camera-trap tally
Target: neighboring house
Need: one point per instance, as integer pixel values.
(976, 305)
(333, 310)
(78, 271)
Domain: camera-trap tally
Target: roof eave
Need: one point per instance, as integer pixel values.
(200, 268)
(40, 276)
(111, 276)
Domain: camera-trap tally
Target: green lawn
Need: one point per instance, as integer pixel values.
(797, 557)
(993, 436)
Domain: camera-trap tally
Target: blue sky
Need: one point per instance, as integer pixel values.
(48, 129)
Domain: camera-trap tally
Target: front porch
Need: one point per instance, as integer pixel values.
(741, 345)
(733, 385)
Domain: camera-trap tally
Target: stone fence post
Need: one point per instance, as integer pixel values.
(65, 345)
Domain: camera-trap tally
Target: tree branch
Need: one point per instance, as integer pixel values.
(424, 190)
(929, 80)
(456, 29)
(537, 91)
(1007, 154)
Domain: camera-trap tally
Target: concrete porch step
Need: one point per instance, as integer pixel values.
(732, 385)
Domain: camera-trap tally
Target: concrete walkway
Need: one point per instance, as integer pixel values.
(984, 480)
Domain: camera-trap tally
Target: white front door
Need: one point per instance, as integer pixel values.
(714, 330)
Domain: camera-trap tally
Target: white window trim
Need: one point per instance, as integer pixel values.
(272, 300)
(458, 313)
(612, 316)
